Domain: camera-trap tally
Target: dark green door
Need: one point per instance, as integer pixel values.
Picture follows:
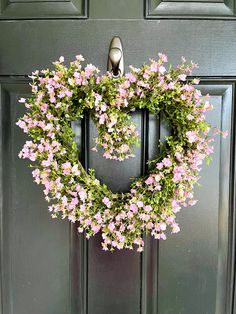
(46, 267)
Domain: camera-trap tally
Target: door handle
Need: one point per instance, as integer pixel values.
(115, 63)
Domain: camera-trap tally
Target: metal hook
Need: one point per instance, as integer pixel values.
(115, 57)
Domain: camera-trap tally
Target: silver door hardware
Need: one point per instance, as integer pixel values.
(115, 57)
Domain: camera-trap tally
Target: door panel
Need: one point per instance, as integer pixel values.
(193, 265)
(34, 9)
(35, 249)
(46, 266)
(190, 272)
(117, 274)
(211, 9)
(211, 44)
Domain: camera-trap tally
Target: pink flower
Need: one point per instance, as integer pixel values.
(178, 156)
(82, 195)
(82, 208)
(36, 173)
(79, 58)
(46, 163)
(175, 206)
(149, 180)
(139, 241)
(163, 57)
(88, 221)
(149, 225)
(75, 170)
(140, 204)
(225, 134)
(75, 201)
(103, 107)
(22, 125)
(160, 236)
(162, 69)
(144, 217)
(102, 119)
(192, 202)
(178, 172)
(80, 230)
(107, 155)
(124, 148)
(94, 149)
(148, 208)
(61, 94)
(192, 136)
(78, 188)
(111, 226)
(158, 177)
(159, 165)
(113, 121)
(131, 77)
(133, 208)
(182, 77)
(171, 85)
(58, 105)
(175, 228)
(96, 228)
(162, 226)
(163, 236)
(68, 93)
(188, 88)
(98, 218)
(154, 66)
(61, 59)
(167, 162)
(196, 81)
(140, 249)
(122, 92)
(66, 168)
(52, 99)
(209, 150)
(170, 220)
(44, 107)
(107, 202)
(89, 69)
(190, 117)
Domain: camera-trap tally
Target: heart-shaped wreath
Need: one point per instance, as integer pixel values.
(61, 96)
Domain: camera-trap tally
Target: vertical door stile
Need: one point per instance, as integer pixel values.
(79, 244)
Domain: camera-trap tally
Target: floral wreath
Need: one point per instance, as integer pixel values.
(64, 94)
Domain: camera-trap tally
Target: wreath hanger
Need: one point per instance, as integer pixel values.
(115, 63)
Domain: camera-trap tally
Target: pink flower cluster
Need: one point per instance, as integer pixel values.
(117, 134)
